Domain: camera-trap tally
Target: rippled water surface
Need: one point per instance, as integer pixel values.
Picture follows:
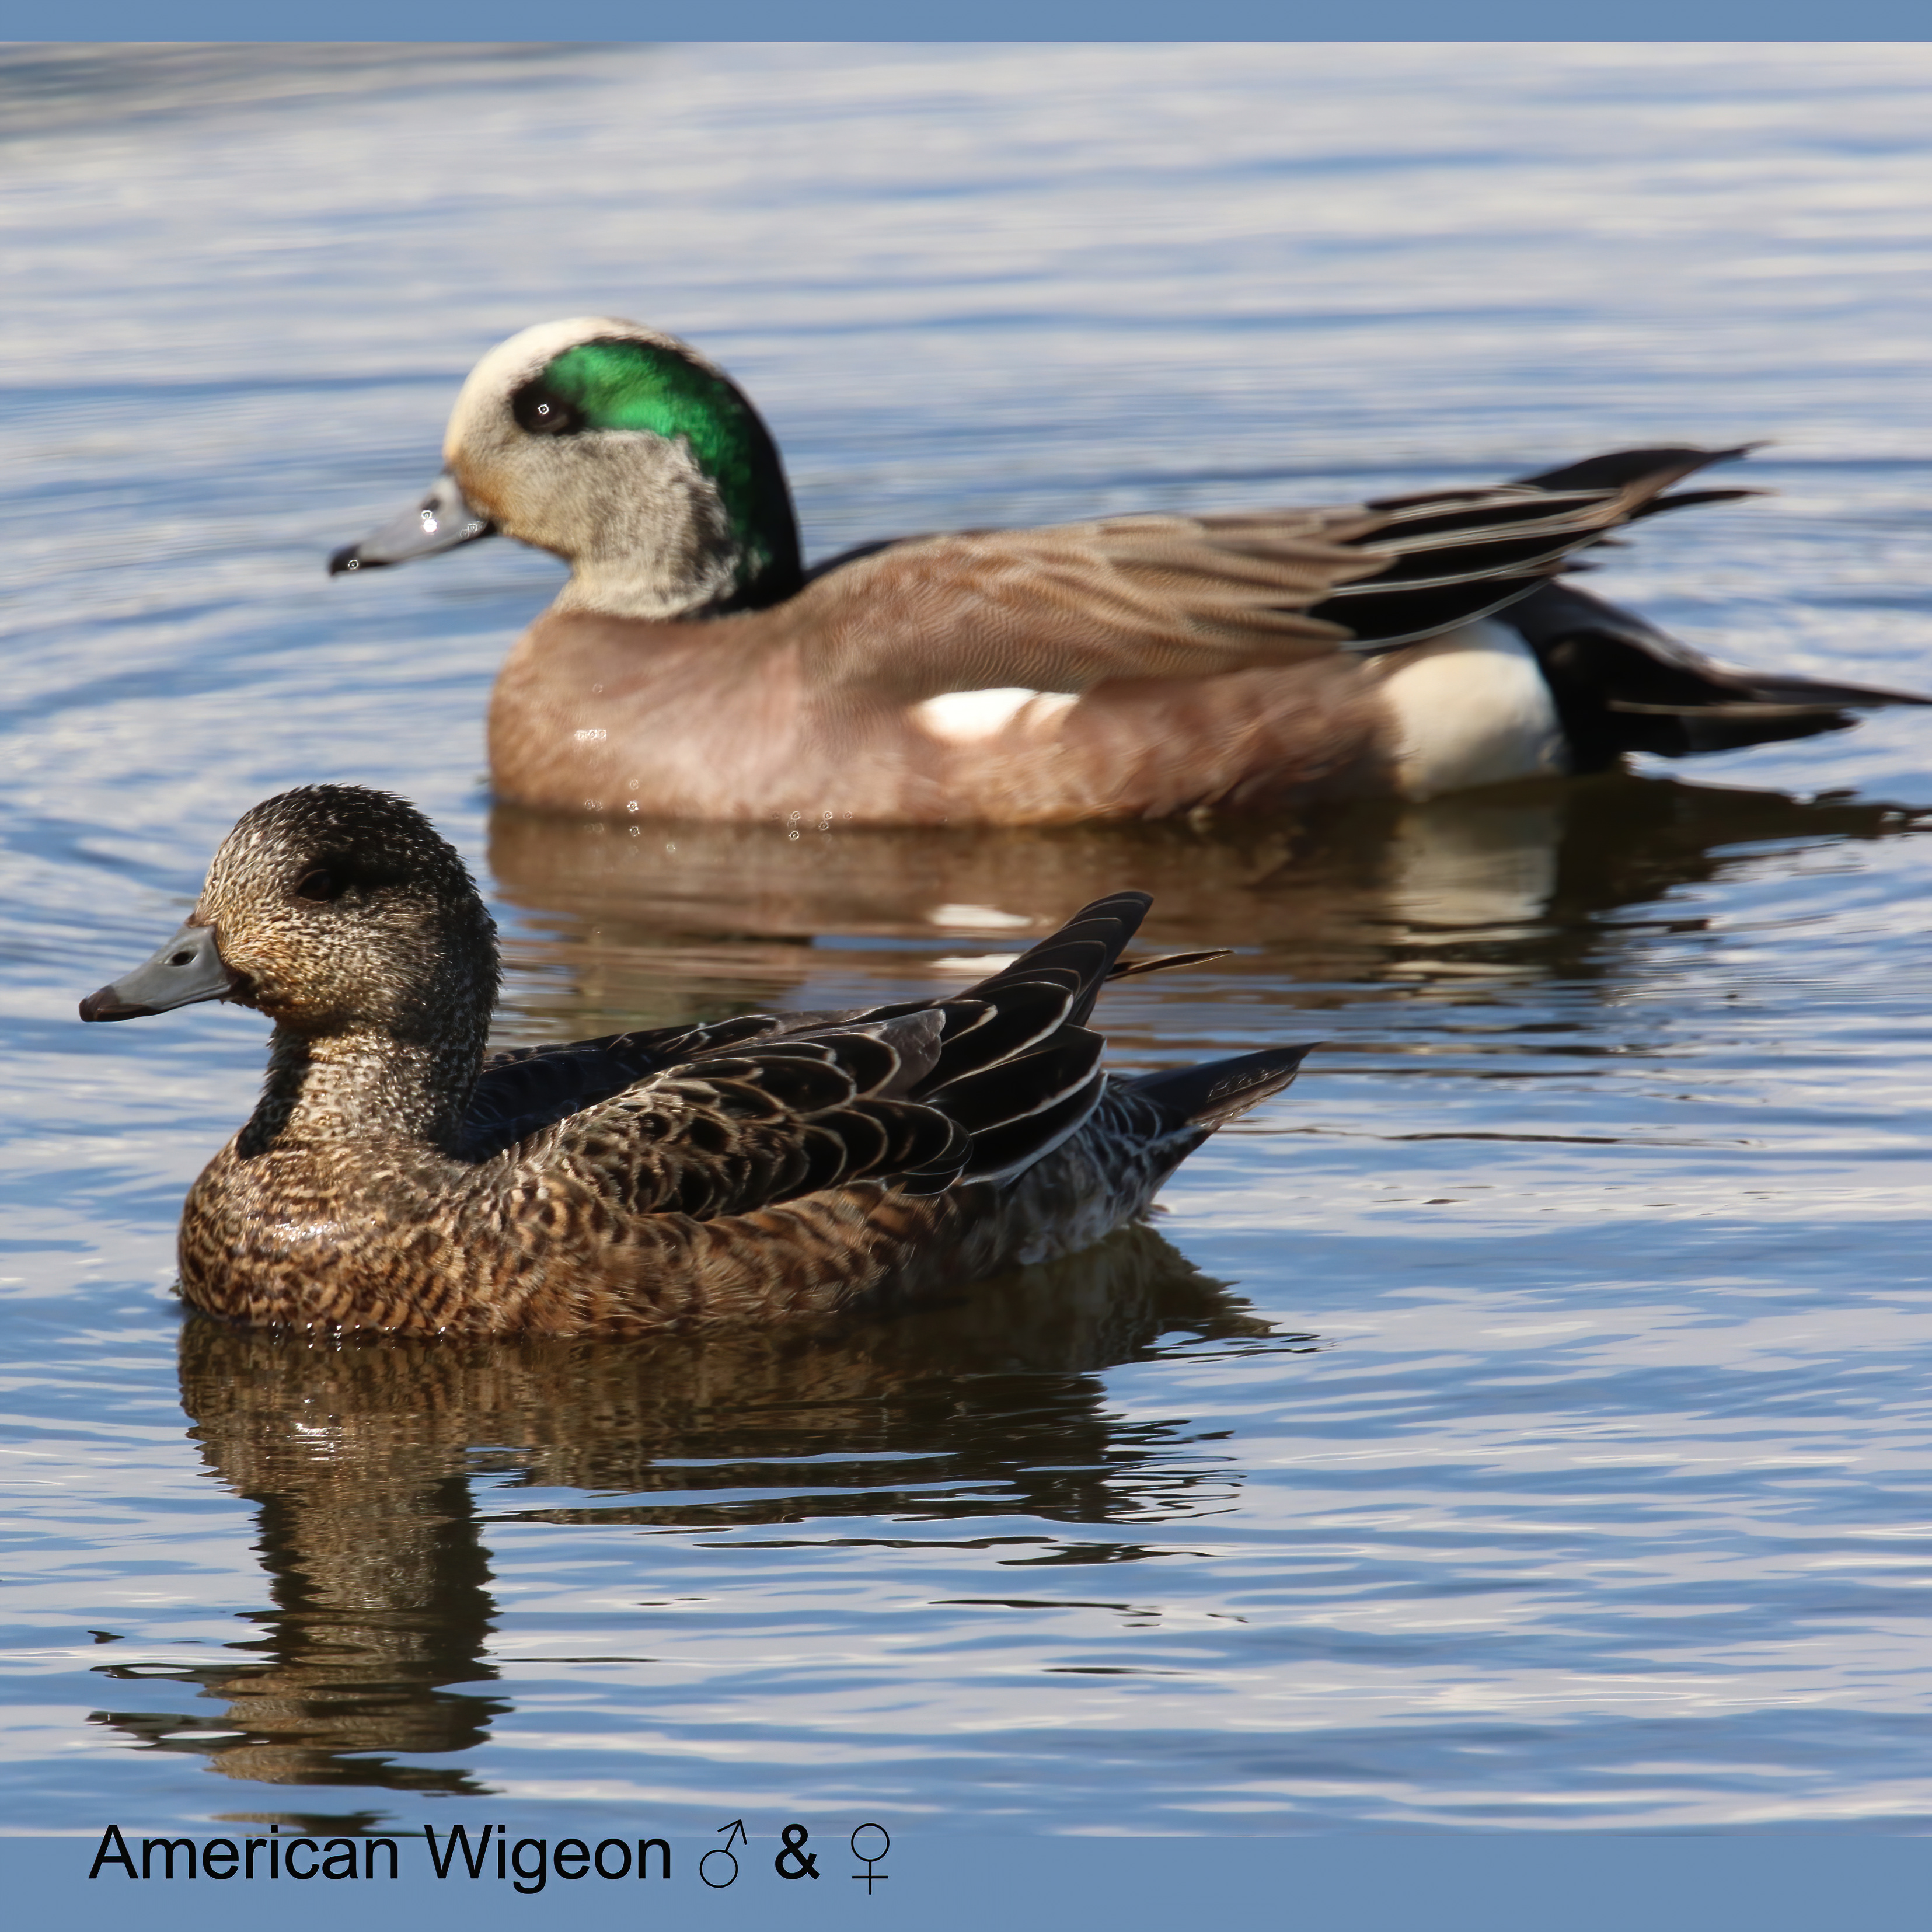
(1526, 1419)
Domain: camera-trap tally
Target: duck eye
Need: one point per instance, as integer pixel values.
(542, 412)
(318, 885)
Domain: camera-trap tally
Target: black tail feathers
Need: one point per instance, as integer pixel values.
(1621, 685)
(1620, 468)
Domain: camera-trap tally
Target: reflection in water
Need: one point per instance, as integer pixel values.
(1517, 881)
(373, 1667)
(358, 1453)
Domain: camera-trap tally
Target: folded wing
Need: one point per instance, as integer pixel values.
(1064, 608)
(922, 1095)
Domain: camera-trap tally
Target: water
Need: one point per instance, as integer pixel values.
(1524, 1421)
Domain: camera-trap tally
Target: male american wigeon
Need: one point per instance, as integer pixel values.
(1131, 667)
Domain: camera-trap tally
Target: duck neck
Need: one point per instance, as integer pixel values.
(644, 589)
(687, 554)
(364, 1088)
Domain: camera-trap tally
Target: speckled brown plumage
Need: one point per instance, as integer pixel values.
(1126, 667)
(761, 1167)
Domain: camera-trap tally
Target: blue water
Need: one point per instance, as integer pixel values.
(1525, 1421)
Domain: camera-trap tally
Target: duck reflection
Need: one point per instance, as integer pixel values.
(636, 923)
(359, 1454)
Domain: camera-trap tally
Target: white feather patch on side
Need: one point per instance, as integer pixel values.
(1471, 708)
(968, 717)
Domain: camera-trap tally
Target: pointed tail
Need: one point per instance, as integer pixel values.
(1621, 684)
(1217, 1091)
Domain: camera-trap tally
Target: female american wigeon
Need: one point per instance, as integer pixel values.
(1132, 666)
(757, 1168)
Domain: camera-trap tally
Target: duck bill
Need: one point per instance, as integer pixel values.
(442, 520)
(188, 969)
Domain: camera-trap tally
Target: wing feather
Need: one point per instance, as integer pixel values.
(1063, 609)
(976, 1086)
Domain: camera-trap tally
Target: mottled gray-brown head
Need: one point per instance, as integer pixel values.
(336, 908)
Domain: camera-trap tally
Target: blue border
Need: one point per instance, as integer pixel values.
(1479, 1882)
(980, 20)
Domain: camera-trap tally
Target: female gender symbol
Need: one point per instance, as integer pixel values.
(872, 1858)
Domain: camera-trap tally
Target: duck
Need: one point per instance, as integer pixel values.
(1147, 666)
(393, 1180)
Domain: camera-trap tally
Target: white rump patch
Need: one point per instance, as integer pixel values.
(966, 717)
(1472, 708)
(979, 965)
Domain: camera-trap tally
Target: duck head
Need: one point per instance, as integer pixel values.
(625, 452)
(335, 910)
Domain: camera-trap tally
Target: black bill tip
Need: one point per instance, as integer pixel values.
(350, 557)
(107, 1004)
